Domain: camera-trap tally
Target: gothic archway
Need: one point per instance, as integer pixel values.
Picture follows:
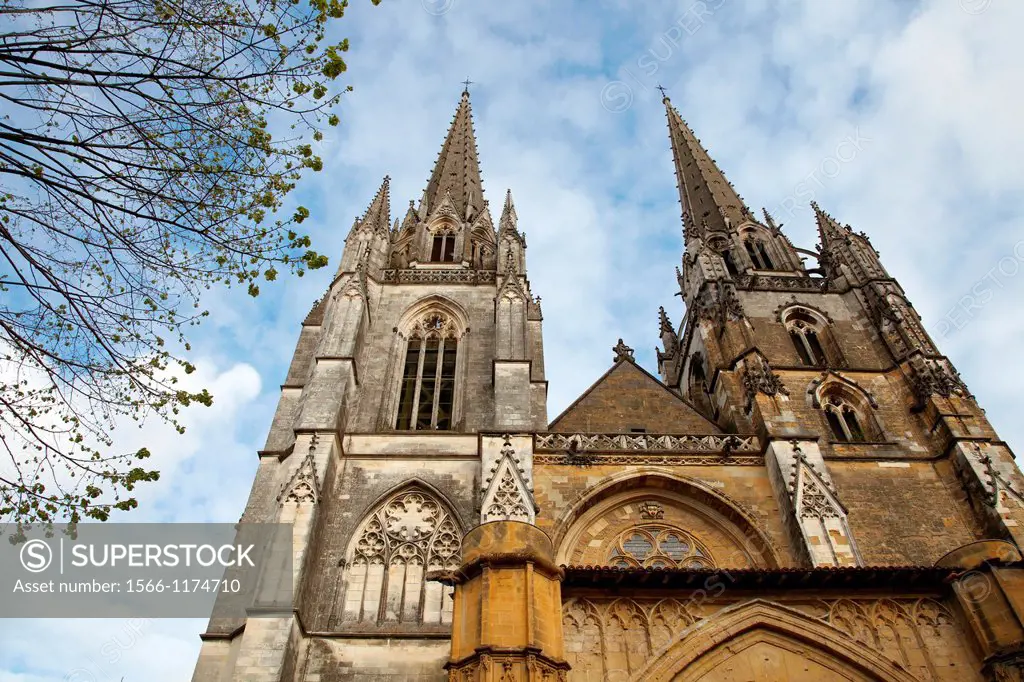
(649, 497)
(770, 643)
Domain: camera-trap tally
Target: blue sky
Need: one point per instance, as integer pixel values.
(900, 118)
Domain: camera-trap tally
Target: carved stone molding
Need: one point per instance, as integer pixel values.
(618, 638)
(646, 442)
(758, 377)
(780, 283)
(453, 276)
(651, 460)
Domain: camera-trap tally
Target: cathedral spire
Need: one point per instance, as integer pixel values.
(457, 171)
(709, 202)
(378, 214)
(829, 228)
(509, 219)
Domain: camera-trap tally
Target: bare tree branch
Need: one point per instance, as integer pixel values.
(137, 169)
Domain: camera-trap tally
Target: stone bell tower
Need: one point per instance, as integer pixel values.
(387, 446)
(830, 363)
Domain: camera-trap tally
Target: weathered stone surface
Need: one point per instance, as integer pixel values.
(771, 509)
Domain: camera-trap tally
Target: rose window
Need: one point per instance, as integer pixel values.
(658, 546)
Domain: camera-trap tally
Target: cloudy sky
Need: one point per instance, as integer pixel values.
(901, 118)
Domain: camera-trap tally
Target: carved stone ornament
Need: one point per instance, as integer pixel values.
(758, 377)
(996, 489)
(453, 276)
(645, 442)
(434, 325)
(506, 491)
(304, 484)
(814, 503)
(651, 510)
(935, 377)
(622, 351)
(718, 303)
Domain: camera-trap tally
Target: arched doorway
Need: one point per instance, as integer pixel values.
(768, 643)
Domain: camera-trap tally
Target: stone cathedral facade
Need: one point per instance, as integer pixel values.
(806, 491)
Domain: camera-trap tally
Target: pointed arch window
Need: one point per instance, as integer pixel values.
(656, 545)
(843, 420)
(808, 346)
(427, 393)
(811, 338)
(758, 253)
(401, 540)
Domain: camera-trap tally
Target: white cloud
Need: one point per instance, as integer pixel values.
(205, 476)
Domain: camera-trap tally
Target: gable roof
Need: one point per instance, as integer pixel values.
(629, 397)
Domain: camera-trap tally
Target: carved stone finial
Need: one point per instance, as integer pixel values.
(622, 351)
(664, 324)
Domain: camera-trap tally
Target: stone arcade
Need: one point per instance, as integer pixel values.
(808, 491)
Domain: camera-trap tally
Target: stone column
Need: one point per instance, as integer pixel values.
(990, 591)
(507, 622)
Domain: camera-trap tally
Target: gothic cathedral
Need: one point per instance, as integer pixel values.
(807, 491)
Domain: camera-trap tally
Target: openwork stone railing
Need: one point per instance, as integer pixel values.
(779, 283)
(430, 276)
(645, 442)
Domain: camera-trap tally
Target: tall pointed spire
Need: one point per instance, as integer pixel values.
(509, 219)
(457, 171)
(378, 214)
(709, 202)
(829, 228)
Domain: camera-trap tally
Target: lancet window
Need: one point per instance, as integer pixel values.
(442, 248)
(808, 346)
(427, 397)
(843, 419)
(811, 338)
(758, 253)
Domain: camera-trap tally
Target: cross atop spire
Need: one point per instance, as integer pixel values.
(709, 202)
(457, 170)
(466, 83)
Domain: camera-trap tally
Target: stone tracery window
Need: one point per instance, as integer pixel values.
(811, 338)
(658, 546)
(427, 396)
(407, 536)
(843, 420)
(442, 244)
(808, 346)
(758, 253)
